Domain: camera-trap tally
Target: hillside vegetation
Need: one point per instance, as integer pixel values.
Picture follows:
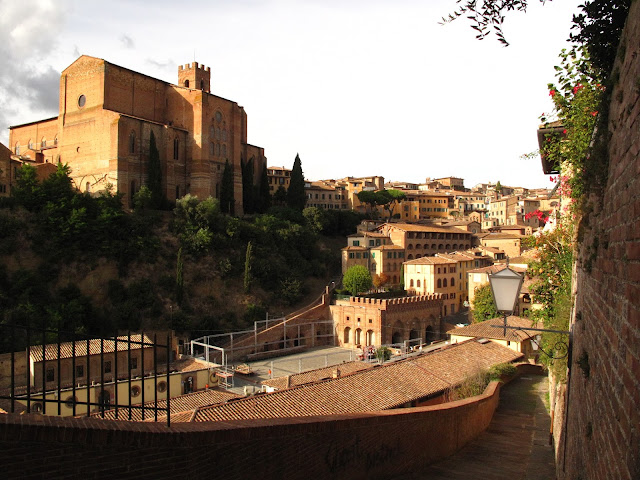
(80, 263)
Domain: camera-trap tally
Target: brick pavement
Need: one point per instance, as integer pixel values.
(514, 447)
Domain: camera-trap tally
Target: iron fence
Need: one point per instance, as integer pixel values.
(46, 358)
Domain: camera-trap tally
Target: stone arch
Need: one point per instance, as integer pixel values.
(439, 283)
(455, 246)
(453, 282)
(448, 247)
(358, 336)
(347, 335)
(433, 246)
(429, 334)
(370, 338)
(440, 246)
(444, 283)
(410, 257)
(397, 335)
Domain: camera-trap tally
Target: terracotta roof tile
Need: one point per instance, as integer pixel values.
(496, 268)
(429, 261)
(66, 348)
(413, 227)
(315, 375)
(380, 388)
(486, 330)
(178, 405)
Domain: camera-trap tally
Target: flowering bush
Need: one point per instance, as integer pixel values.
(576, 96)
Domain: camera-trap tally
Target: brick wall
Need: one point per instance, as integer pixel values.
(376, 445)
(602, 438)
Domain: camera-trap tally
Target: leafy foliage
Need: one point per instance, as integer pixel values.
(247, 185)
(599, 28)
(357, 279)
(576, 97)
(296, 197)
(486, 16)
(483, 306)
(551, 287)
(227, 202)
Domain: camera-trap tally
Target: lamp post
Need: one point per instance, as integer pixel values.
(505, 287)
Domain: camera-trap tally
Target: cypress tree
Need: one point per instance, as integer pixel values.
(263, 197)
(226, 193)
(155, 174)
(247, 185)
(296, 197)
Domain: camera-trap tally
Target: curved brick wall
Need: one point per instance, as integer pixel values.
(376, 445)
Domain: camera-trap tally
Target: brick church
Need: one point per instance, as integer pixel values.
(104, 125)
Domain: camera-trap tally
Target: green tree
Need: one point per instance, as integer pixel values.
(227, 202)
(280, 197)
(247, 185)
(143, 199)
(357, 279)
(247, 268)
(155, 175)
(388, 199)
(370, 199)
(263, 198)
(315, 218)
(296, 198)
(499, 187)
(27, 190)
(179, 278)
(483, 307)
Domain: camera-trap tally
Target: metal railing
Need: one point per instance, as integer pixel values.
(44, 357)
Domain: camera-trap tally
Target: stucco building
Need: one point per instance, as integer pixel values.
(106, 117)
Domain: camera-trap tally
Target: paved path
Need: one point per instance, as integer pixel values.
(514, 447)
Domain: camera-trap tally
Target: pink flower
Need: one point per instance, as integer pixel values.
(576, 88)
(593, 114)
(552, 93)
(564, 132)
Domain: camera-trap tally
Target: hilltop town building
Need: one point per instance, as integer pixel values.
(106, 117)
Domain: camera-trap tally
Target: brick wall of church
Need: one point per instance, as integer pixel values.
(602, 433)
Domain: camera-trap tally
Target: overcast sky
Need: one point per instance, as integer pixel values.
(356, 87)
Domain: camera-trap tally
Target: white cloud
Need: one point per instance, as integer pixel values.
(28, 83)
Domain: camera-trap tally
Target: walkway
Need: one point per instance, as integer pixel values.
(514, 447)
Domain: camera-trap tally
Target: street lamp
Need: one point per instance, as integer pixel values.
(505, 287)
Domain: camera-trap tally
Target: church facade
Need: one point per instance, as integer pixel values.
(103, 132)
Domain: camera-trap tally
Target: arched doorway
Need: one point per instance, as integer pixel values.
(429, 334)
(347, 335)
(370, 337)
(414, 335)
(358, 340)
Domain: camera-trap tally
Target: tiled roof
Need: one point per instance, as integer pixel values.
(66, 348)
(486, 330)
(315, 375)
(502, 236)
(380, 388)
(355, 247)
(496, 268)
(493, 249)
(388, 247)
(429, 261)
(179, 405)
(413, 227)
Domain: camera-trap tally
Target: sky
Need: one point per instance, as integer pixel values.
(355, 87)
